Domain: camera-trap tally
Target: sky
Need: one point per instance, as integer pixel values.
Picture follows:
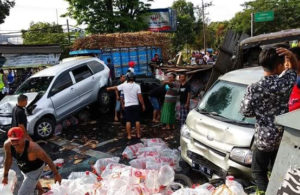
(26, 11)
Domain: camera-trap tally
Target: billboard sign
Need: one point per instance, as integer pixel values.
(162, 20)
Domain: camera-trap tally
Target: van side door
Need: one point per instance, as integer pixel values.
(63, 95)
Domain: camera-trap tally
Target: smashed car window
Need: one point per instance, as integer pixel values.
(224, 99)
(35, 84)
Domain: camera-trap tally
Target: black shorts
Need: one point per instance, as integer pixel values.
(132, 113)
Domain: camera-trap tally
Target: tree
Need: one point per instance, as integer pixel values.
(44, 33)
(5, 5)
(216, 33)
(109, 16)
(185, 33)
(287, 15)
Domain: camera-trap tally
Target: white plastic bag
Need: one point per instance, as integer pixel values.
(131, 151)
(235, 187)
(12, 179)
(101, 164)
(166, 175)
(153, 142)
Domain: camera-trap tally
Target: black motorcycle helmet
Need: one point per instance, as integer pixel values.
(130, 76)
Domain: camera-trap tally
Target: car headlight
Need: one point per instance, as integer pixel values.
(185, 132)
(241, 155)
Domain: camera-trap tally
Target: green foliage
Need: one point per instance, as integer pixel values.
(216, 32)
(109, 16)
(287, 15)
(44, 33)
(185, 33)
(5, 5)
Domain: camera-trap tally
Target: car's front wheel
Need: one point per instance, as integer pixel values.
(44, 128)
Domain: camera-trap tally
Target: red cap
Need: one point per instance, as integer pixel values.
(15, 133)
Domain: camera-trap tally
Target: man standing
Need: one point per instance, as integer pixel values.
(264, 100)
(19, 118)
(30, 158)
(185, 96)
(132, 97)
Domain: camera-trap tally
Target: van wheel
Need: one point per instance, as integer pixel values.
(104, 100)
(44, 128)
(183, 179)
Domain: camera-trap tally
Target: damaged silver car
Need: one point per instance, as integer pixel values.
(57, 92)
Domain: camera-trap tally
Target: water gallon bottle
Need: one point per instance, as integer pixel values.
(235, 187)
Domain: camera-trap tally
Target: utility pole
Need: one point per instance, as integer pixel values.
(204, 5)
(69, 38)
(56, 17)
(204, 37)
(252, 24)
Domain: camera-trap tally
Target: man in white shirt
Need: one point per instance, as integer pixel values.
(132, 97)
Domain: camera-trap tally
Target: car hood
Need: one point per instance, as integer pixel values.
(217, 134)
(10, 101)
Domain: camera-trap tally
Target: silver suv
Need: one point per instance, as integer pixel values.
(56, 92)
(216, 138)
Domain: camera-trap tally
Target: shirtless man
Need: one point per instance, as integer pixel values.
(31, 159)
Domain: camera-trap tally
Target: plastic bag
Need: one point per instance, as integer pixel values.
(148, 154)
(12, 179)
(84, 177)
(235, 187)
(149, 149)
(110, 168)
(153, 142)
(101, 164)
(138, 163)
(166, 175)
(131, 151)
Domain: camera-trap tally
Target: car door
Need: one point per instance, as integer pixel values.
(84, 84)
(96, 68)
(63, 95)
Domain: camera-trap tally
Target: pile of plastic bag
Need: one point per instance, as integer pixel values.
(231, 187)
(152, 154)
(117, 179)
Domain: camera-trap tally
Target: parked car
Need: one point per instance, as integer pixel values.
(57, 92)
(216, 138)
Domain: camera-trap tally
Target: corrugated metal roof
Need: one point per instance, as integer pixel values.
(269, 38)
(29, 49)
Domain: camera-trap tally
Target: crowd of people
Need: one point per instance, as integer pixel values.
(163, 99)
(199, 58)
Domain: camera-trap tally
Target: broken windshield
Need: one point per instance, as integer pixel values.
(35, 84)
(224, 100)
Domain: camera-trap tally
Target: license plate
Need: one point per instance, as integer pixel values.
(202, 169)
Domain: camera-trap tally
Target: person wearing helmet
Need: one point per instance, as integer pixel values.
(132, 98)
